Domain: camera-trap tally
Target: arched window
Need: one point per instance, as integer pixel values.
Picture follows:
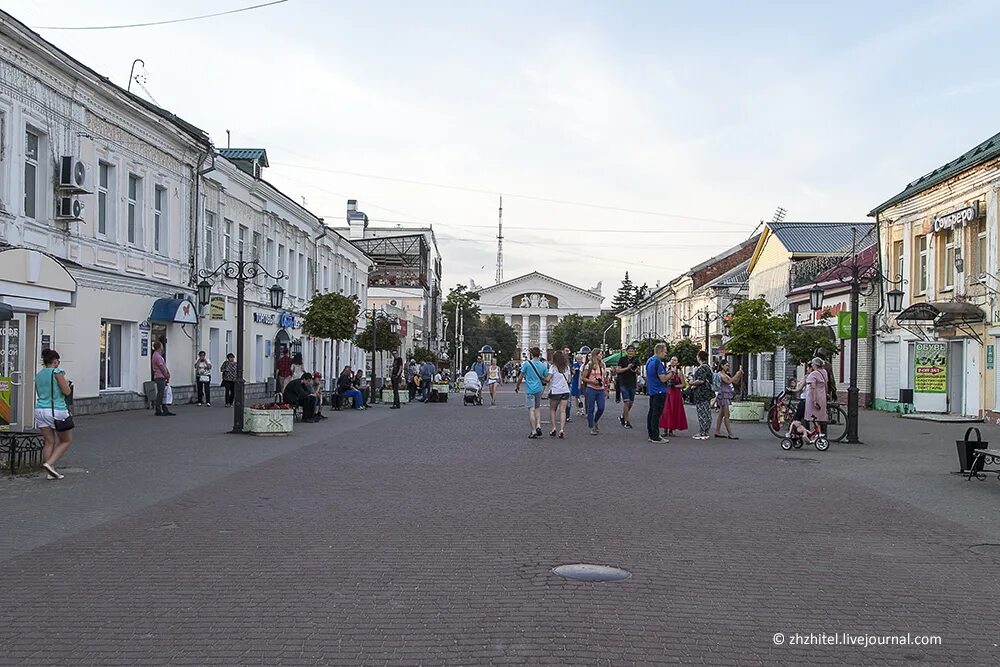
(533, 334)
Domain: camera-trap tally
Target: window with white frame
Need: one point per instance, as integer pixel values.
(242, 246)
(311, 269)
(134, 208)
(227, 240)
(111, 355)
(269, 257)
(255, 250)
(981, 252)
(105, 199)
(922, 265)
(302, 276)
(281, 259)
(767, 367)
(209, 240)
(897, 253)
(948, 261)
(32, 146)
(160, 220)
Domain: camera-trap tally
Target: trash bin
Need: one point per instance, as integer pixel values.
(966, 447)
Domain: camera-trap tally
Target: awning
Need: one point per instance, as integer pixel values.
(6, 312)
(180, 311)
(942, 314)
(32, 281)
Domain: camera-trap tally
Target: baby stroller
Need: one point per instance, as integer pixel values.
(473, 388)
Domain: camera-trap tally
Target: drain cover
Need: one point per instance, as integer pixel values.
(588, 572)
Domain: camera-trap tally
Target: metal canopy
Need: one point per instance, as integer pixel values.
(941, 315)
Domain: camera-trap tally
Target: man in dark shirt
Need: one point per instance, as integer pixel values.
(299, 392)
(628, 364)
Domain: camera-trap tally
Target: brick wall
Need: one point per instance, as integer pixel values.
(716, 269)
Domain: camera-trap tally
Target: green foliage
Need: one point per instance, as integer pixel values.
(495, 332)
(332, 316)
(467, 304)
(755, 328)
(625, 297)
(803, 342)
(574, 331)
(384, 338)
(640, 294)
(686, 352)
(644, 347)
(421, 354)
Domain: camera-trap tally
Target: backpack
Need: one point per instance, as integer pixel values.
(716, 381)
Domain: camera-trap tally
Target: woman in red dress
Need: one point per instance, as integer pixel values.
(673, 418)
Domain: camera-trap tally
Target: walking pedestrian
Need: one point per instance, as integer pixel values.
(480, 368)
(594, 377)
(627, 378)
(426, 378)
(656, 387)
(575, 392)
(396, 378)
(703, 395)
(203, 376)
(229, 378)
(533, 372)
(283, 369)
(412, 379)
(725, 398)
(52, 411)
(161, 376)
(673, 418)
(559, 392)
(568, 354)
(493, 376)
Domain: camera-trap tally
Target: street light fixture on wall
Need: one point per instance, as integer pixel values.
(241, 271)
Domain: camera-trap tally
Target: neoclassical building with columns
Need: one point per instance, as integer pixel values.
(534, 303)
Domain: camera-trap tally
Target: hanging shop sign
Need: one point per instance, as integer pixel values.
(217, 308)
(989, 356)
(930, 368)
(962, 216)
(844, 325)
(264, 318)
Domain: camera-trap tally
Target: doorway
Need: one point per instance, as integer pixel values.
(12, 334)
(956, 375)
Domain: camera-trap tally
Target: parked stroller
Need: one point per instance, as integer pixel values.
(473, 388)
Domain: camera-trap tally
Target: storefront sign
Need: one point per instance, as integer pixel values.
(989, 356)
(144, 325)
(957, 218)
(264, 318)
(289, 321)
(844, 325)
(46, 342)
(930, 368)
(217, 308)
(144, 344)
(802, 318)
(5, 412)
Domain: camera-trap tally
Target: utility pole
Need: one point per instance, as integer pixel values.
(499, 278)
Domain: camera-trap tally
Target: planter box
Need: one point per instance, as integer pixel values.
(268, 422)
(387, 395)
(747, 412)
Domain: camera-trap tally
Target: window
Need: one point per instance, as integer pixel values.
(302, 276)
(897, 253)
(326, 278)
(209, 240)
(281, 259)
(982, 265)
(256, 247)
(159, 220)
(242, 247)
(311, 269)
(922, 265)
(134, 208)
(269, 258)
(227, 240)
(31, 143)
(767, 367)
(948, 261)
(105, 177)
(111, 355)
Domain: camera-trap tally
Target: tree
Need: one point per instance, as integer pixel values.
(332, 316)
(385, 339)
(495, 332)
(421, 354)
(640, 294)
(625, 297)
(802, 343)
(466, 303)
(686, 351)
(568, 332)
(644, 347)
(754, 328)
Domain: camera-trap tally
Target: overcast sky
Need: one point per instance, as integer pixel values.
(710, 116)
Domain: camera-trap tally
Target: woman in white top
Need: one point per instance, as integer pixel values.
(559, 392)
(493, 379)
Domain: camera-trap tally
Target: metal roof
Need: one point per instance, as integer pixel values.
(738, 276)
(245, 154)
(818, 238)
(976, 155)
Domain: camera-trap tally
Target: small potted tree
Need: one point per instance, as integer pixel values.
(754, 328)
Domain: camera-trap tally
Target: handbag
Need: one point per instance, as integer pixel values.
(60, 425)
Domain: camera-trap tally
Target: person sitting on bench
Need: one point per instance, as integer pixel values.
(298, 393)
(317, 390)
(345, 387)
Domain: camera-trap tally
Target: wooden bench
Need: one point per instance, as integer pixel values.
(980, 460)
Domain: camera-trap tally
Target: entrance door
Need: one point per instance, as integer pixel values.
(956, 375)
(12, 385)
(215, 354)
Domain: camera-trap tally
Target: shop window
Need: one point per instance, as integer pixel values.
(111, 355)
(948, 261)
(32, 144)
(160, 220)
(134, 208)
(921, 280)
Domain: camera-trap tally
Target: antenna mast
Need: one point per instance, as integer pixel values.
(500, 244)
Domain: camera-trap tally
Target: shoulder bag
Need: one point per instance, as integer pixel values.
(60, 425)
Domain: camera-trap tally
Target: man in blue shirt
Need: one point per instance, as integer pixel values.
(480, 368)
(534, 373)
(656, 379)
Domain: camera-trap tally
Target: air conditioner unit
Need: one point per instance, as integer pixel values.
(69, 207)
(73, 175)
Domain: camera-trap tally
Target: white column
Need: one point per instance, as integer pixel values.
(543, 333)
(525, 329)
(506, 318)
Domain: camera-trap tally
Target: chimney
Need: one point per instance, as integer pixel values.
(356, 220)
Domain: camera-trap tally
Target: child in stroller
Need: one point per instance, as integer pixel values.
(473, 389)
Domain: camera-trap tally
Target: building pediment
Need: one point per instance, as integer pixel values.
(537, 290)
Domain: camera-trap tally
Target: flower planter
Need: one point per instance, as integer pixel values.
(268, 422)
(387, 395)
(746, 411)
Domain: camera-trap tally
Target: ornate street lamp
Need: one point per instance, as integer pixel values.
(241, 271)
(686, 330)
(816, 297)
(895, 300)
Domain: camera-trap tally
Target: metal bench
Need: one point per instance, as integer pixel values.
(20, 451)
(982, 458)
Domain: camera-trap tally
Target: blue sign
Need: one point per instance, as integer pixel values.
(289, 321)
(263, 318)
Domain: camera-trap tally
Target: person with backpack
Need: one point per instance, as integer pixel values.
(594, 378)
(533, 373)
(703, 394)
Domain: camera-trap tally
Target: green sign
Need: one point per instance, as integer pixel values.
(930, 368)
(844, 324)
(989, 356)
(6, 410)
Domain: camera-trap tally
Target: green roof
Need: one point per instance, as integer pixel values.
(244, 154)
(985, 151)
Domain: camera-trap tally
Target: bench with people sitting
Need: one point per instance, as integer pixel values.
(300, 393)
(346, 389)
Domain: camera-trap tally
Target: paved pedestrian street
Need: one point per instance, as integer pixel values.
(428, 535)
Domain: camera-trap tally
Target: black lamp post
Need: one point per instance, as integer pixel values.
(241, 271)
(706, 317)
(863, 279)
(393, 326)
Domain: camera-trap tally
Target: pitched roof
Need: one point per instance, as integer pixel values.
(820, 238)
(738, 276)
(976, 155)
(244, 154)
(537, 274)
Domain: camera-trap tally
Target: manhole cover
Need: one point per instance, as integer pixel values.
(988, 550)
(796, 459)
(588, 572)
